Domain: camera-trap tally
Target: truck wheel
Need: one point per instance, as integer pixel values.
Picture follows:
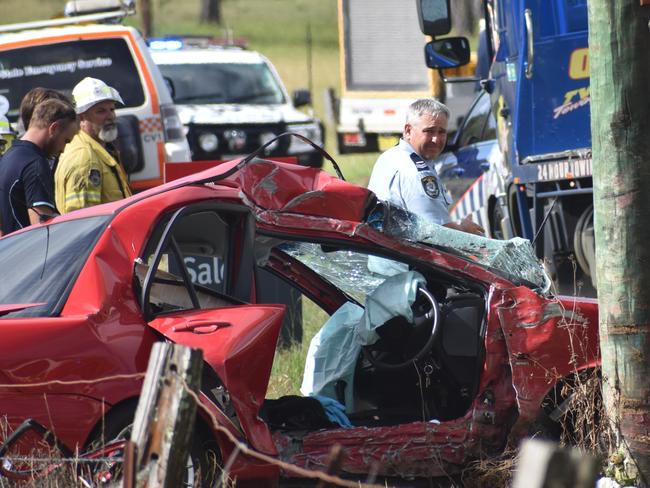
(496, 216)
(583, 241)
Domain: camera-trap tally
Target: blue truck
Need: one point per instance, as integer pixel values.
(536, 179)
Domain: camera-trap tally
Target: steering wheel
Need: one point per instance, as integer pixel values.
(425, 324)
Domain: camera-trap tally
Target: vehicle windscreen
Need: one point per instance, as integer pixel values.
(356, 273)
(62, 65)
(252, 83)
(41, 264)
(513, 259)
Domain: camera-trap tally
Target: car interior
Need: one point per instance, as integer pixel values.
(422, 369)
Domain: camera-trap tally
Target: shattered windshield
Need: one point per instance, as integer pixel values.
(357, 274)
(514, 258)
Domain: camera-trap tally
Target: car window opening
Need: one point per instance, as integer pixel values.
(57, 253)
(383, 356)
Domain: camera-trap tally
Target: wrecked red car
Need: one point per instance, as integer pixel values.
(86, 295)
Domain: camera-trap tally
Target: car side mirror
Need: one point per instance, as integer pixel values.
(451, 52)
(434, 17)
(301, 98)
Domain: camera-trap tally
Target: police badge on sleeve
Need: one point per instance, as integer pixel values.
(431, 186)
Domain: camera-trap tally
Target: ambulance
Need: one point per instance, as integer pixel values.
(89, 41)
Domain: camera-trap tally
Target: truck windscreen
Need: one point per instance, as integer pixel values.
(61, 66)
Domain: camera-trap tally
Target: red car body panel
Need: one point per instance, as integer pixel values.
(239, 344)
(72, 396)
(529, 342)
(547, 340)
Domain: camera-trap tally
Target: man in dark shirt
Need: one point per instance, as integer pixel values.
(26, 181)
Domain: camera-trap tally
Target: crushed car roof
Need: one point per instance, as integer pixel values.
(275, 189)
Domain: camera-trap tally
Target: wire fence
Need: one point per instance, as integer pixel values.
(43, 465)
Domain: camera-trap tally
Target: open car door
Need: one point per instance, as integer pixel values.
(196, 277)
(238, 343)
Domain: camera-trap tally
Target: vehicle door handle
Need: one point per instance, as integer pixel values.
(485, 165)
(458, 171)
(530, 49)
(201, 326)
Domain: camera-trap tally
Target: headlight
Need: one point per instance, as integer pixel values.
(208, 142)
(310, 131)
(266, 137)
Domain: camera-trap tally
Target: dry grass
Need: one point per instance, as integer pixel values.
(495, 471)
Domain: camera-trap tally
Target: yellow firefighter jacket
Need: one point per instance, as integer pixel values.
(87, 175)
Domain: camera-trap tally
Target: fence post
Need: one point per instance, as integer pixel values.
(543, 463)
(334, 461)
(164, 419)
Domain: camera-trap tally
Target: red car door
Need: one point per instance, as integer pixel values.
(238, 343)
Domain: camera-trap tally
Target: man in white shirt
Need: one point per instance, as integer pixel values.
(405, 175)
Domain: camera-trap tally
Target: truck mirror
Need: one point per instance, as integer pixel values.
(434, 16)
(451, 52)
(301, 98)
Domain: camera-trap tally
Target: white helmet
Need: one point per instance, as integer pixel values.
(91, 91)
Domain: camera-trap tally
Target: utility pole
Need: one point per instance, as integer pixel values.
(619, 37)
(147, 21)
(210, 11)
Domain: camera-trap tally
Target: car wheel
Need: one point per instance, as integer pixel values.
(203, 464)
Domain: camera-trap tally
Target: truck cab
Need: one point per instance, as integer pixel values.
(382, 73)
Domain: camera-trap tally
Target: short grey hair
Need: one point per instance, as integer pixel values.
(429, 106)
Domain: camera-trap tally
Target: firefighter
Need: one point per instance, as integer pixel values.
(6, 134)
(89, 172)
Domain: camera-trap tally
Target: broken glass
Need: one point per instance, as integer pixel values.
(514, 258)
(348, 270)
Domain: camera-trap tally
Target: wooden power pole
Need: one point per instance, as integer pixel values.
(147, 18)
(210, 11)
(619, 39)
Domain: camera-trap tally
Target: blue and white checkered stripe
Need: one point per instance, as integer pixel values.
(474, 203)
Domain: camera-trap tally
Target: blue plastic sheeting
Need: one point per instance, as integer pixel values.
(334, 350)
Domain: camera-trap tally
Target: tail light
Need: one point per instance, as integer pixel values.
(172, 126)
